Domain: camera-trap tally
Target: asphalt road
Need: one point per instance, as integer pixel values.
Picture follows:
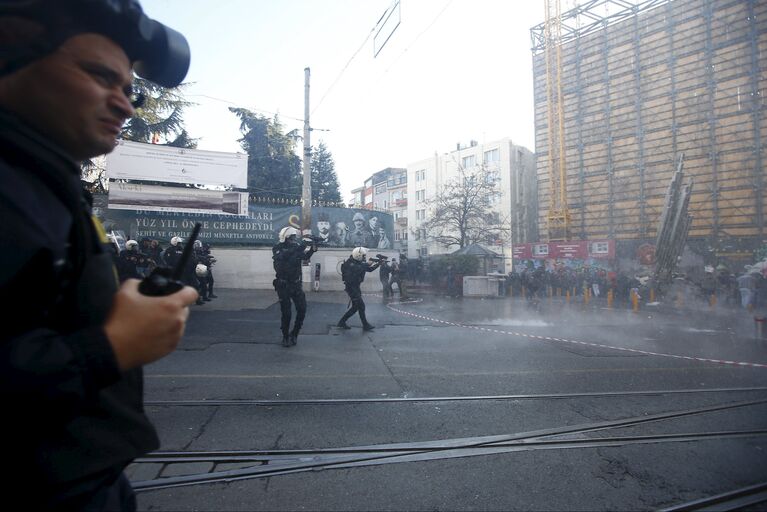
(455, 404)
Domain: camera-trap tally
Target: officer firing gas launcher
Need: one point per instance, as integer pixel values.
(314, 240)
(379, 258)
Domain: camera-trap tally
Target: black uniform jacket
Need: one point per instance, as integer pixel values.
(70, 414)
(287, 260)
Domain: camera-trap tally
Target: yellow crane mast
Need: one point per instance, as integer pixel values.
(559, 214)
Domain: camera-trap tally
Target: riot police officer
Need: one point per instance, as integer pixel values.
(287, 256)
(353, 272)
(128, 262)
(201, 270)
(172, 255)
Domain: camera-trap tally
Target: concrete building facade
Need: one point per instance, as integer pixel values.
(516, 201)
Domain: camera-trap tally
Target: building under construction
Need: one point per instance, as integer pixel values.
(623, 88)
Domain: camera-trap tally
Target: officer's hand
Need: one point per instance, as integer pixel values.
(143, 329)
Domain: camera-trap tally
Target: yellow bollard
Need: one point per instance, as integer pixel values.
(652, 294)
(609, 299)
(634, 301)
(712, 301)
(679, 300)
(586, 296)
(567, 296)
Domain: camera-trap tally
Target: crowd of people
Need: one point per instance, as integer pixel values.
(138, 260)
(747, 290)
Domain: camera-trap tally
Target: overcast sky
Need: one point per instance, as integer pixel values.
(453, 71)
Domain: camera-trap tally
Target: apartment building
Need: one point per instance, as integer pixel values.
(516, 200)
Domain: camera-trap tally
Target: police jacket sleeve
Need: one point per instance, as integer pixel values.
(307, 254)
(48, 372)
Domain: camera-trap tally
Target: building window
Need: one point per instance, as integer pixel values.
(420, 214)
(492, 177)
(420, 175)
(423, 251)
(469, 161)
(494, 155)
(600, 248)
(420, 195)
(380, 189)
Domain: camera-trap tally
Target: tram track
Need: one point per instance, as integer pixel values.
(278, 462)
(475, 398)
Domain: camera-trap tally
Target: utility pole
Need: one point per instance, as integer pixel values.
(306, 202)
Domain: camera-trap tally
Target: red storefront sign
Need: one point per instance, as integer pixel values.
(601, 249)
(568, 250)
(521, 252)
(578, 250)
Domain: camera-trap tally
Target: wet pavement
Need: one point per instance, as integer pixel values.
(437, 371)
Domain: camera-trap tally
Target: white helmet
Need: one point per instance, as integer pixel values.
(287, 232)
(201, 270)
(198, 244)
(176, 240)
(130, 244)
(359, 253)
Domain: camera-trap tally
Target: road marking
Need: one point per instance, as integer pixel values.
(576, 342)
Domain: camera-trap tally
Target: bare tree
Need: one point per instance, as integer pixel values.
(465, 211)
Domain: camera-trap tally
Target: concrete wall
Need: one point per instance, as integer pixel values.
(252, 268)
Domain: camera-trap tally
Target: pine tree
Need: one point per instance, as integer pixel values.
(160, 118)
(324, 179)
(274, 169)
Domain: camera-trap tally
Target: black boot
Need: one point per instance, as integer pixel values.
(366, 326)
(293, 337)
(199, 302)
(342, 322)
(212, 295)
(285, 340)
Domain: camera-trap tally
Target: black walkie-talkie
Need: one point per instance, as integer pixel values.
(165, 281)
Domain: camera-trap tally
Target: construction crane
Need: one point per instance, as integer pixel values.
(559, 214)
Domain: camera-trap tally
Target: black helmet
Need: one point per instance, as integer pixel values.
(159, 53)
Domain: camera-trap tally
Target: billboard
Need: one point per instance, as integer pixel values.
(153, 162)
(338, 227)
(137, 196)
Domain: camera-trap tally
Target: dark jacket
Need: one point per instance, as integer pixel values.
(287, 259)
(74, 415)
(356, 271)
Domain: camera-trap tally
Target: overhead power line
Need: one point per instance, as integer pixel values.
(245, 106)
(343, 70)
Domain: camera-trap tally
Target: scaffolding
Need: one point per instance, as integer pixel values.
(641, 83)
(558, 219)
